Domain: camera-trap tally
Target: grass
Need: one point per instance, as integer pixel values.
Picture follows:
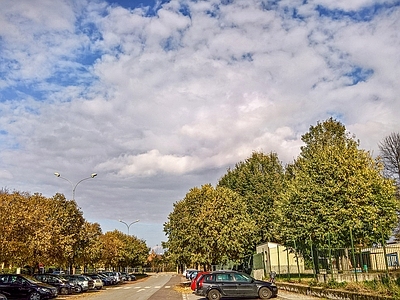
(382, 287)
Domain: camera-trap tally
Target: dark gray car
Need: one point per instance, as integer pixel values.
(234, 284)
(17, 286)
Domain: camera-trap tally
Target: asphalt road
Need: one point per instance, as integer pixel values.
(156, 287)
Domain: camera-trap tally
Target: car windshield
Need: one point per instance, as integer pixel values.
(31, 279)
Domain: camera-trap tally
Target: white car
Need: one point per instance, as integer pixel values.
(97, 282)
(187, 272)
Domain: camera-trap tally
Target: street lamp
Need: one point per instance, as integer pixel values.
(93, 175)
(128, 226)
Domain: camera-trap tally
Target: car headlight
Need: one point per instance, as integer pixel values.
(44, 290)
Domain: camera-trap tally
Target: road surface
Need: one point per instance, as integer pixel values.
(157, 287)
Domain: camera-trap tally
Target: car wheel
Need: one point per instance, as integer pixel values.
(64, 291)
(78, 289)
(213, 295)
(34, 296)
(265, 293)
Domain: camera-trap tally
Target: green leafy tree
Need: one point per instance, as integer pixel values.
(136, 251)
(210, 226)
(259, 180)
(180, 229)
(334, 187)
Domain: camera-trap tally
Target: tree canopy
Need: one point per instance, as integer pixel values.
(330, 189)
(259, 180)
(209, 226)
(52, 232)
(334, 187)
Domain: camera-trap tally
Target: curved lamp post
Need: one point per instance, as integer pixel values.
(128, 226)
(93, 175)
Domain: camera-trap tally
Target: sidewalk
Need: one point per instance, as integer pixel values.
(282, 294)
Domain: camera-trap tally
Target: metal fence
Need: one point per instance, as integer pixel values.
(344, 264)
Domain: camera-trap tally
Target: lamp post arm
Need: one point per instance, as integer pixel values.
(93, 175)
(133, 223)
(126, 224)
(70, 182)
(73, 190)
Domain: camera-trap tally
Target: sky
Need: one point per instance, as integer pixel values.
(158, 97)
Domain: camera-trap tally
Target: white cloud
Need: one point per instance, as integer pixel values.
(5, 174)
(167, 102)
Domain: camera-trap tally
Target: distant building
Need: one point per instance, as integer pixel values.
(273, 257)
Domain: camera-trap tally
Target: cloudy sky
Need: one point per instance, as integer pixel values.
(158, 97)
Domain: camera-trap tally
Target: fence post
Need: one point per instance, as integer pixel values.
(279, 261)
(288, 266)
(352, 252)
(385, 256)
(297, 259)
(263, 262)
(312, 257)
(330, 255)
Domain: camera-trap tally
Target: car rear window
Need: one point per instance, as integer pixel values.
(224, 277)
(242, 278)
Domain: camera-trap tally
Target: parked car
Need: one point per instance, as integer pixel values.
(193, 274)
(81, 283)
(106, 279)
(131, 277)
(62, 285)
(18, 286)
(3, 297)
(186, 271)
(75, 287)
(58, 272)
(113, 275)
(233, 284)
(198, 280)
(98, 282)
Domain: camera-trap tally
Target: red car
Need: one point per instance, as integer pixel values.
(198, 280)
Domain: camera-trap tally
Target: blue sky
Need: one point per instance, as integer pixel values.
(132, 4)
(158, 97)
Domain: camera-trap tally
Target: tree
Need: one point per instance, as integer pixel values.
(180, 228)
(332, 188)
(90, 247)
(259, 180)
(14, 228)
(52, 231)
(209, 226)
(390, 154)
(69, 223)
